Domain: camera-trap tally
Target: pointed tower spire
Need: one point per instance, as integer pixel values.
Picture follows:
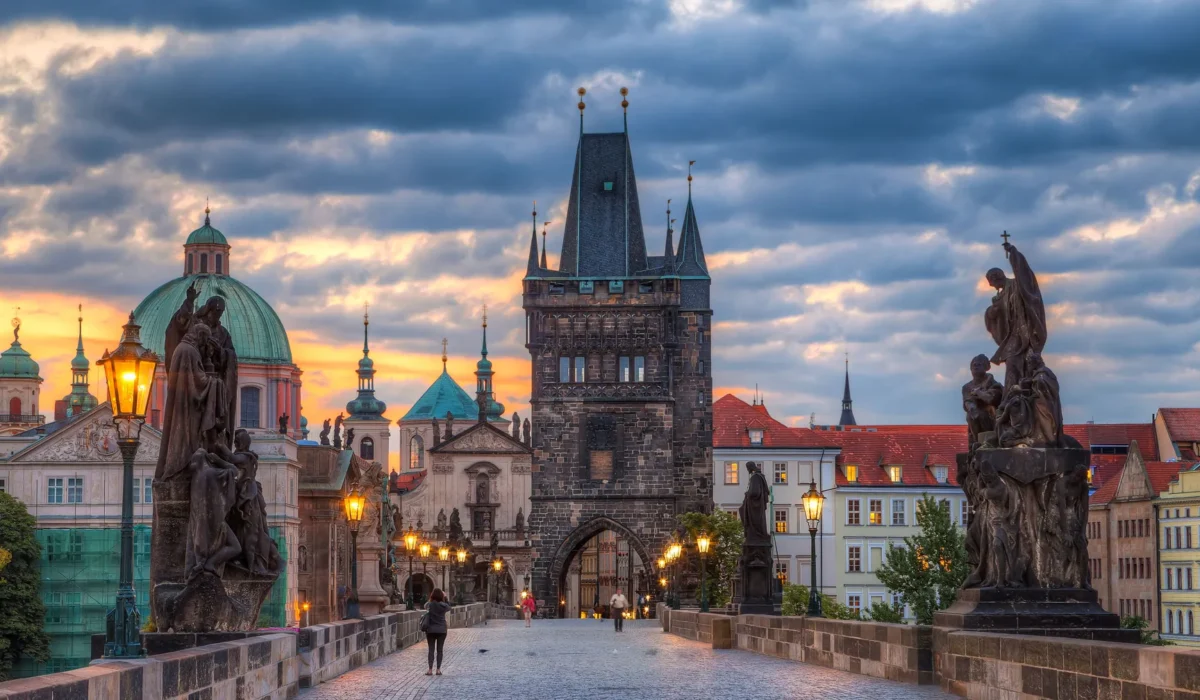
(669, 253)
(483, 350)
(532, 266)
(489, 410)
(544, 225)
(365, 406)
(847, 405)
(79, 400)
(689, 259)
(366, 324)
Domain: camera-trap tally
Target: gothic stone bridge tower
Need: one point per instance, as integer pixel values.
(621, 393)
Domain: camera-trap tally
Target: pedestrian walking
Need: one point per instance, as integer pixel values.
(529, 607)
(617, 605)
(433, 624)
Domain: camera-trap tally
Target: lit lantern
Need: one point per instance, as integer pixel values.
(129, 371)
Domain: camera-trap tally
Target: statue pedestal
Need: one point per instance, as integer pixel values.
(758, 581)
(372, 599)
(1054, 612)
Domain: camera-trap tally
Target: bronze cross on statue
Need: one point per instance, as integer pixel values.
(1005, 236)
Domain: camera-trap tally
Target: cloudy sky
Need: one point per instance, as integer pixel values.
(856, 163)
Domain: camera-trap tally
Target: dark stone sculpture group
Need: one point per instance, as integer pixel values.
(213, 560)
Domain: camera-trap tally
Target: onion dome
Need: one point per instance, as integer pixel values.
(366, 406)
(15, 362)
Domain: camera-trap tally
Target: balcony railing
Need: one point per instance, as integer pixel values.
(479, 538)
(22, 418)
(606, 390)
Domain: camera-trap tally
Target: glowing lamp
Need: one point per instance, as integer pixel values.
(497, 565)
(424, 549)
(411, 540)
(813, 503)
(444, 554)
(461, 555)
(354, 504)
(129, 372)
(703, 543)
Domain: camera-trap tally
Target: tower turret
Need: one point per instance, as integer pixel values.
(847, 405)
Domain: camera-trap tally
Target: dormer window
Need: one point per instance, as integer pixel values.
(941, 474)
(851, 473)
(756, 436)
(894, 473)
(587, 286)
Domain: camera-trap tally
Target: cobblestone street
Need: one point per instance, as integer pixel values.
(585, 659)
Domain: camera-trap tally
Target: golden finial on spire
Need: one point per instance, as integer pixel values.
(366, 312)
(690, 164)
(624, 94)
(81, 313)
(16, 323)
(444, 344)
(581, 91)
(485, 315)
(207, 211)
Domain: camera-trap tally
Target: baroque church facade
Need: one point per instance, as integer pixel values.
(620, 351)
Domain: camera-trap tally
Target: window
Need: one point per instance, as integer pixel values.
(564, 369)
(639, 369)
(781, 472)
(3, 487)
(854, 602)
(945, 505)
(203, 263)
(416, 453)
(137, 490)
(557, 288)
(147, 490)
(756, 436)
(587, 287)
(731, 473)
(616, 287)
(608, 186)
(853, 507)
(1167, 536)
(191, 259)
(1170, 579)
(781, 524)
(645, 287)
(851, 473)
(875, 514)
(894, 473)
(14, 407)
(220, 266)
(54, 490)
(781, 570)
(623, 369)
(966, 512)
(897, 511)
(250, 395)
(580, 365)
(366, 448)
(854, 558)
(941, 474)
(75, 490)
(1190, 628)
(1188, 540)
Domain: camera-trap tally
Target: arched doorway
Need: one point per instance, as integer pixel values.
(596, 561)
(422, 586)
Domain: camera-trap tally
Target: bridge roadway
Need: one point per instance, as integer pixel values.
(587, 660)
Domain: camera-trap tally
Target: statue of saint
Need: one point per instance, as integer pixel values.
(525, 430)
(1014, 418)
(337, 432)
(325, 428)
(210, 541)
(441, 520)
(753, 511)
(283, 421)
(349, 437)
(981, 396)
(1016, 319)
(516, 427)
(224, 360)
(249, 517)
(481, 490)
(520, 519)
(1005, 566)
(187, 403)
(449, 425)
(437, 436)
(1047, 407)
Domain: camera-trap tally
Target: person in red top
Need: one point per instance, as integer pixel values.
(528, 606)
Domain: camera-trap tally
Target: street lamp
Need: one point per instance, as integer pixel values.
(411, 540)
(424, 550)
(354, 503)
(304, 607)
(461, 556)
(129, 371)
(674, 549)
(702, 544)
(813, 502)
(443, 556)
(497, 567)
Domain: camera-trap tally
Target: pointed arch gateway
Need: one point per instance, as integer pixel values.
(574, 542)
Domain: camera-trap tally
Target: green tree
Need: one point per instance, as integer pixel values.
(795, 602)
(928, 571)
(21, 611)
(726, 531)
(883, 612)
(1148, 634)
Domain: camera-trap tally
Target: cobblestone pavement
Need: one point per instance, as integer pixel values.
(585, 659)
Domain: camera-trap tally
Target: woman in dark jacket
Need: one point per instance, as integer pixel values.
(437, 608)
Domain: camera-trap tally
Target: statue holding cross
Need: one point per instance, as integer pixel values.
(1016, 318)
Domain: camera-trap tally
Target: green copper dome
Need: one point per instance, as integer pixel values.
(206, 234)
(258, 334)
(16, 363)
(443, 396)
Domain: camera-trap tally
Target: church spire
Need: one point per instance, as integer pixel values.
(689, 259)
(544, 225)
(365, 406)
(669, 253)
(847, 404)
(366, 325)
(532, 266)
(489, 410)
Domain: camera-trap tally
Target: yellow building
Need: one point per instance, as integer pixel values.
(1178, 517)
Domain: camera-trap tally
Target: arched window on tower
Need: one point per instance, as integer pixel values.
(190, 263)
(366, 448)
(14, 407)
(249, 406)
(220, 266)
(203, 263)
(416, 453)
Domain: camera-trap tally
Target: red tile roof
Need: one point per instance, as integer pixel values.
(1106, 467)
(733, 419)
(1105, 493)
(1089, 434)
(1183, 424)
(406, 481)
(1161, 474)
(916, 449)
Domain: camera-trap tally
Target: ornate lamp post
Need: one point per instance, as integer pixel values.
(674, 549)
(129, 371)
(813, 502)
(305, 607)
(702, 544)
(443, 557)
(411, 540)
(497, 567)
(461, 556)
(353, 503)
(424, 551)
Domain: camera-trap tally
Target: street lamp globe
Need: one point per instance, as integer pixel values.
(662, 562)
(354, 503)
(813, 503)
(703, 543)
(461, 555)
(129, 372)
(425, 549)
(444, 553)
(498, 565)
(411, 540)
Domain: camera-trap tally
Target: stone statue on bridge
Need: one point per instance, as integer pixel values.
(756, 595)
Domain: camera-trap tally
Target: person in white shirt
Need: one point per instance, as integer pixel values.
(617, 605)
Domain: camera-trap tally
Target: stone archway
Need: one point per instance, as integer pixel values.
(570, 547)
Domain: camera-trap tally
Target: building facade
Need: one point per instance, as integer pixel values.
(620, 353)
(1178, 541)
(791, 460)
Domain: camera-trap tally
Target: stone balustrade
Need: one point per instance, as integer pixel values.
(266, 667)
